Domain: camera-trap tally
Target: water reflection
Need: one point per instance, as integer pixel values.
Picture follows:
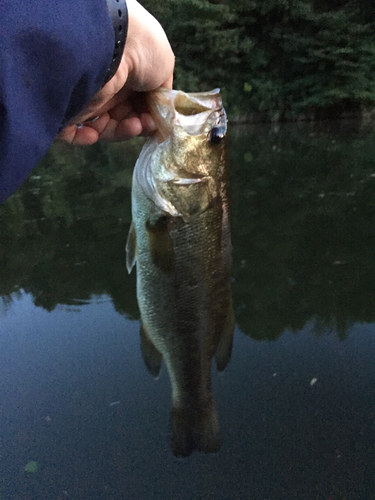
(62, 236)
(304, 233)
(303, 229)
(304, 247)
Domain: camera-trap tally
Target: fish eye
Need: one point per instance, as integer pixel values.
(217, 134)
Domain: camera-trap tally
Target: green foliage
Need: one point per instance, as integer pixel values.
(276, 58)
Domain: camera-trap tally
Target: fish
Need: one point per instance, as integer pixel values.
(180, 241)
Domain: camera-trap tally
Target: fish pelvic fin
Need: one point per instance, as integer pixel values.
(152, 357)
(224, 348)
(195, 429)
(131, 248)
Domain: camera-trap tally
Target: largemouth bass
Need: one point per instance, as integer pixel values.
(180, 241)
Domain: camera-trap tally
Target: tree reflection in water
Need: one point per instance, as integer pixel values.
(303, 209)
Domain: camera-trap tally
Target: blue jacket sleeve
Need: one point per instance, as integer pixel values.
(53, 58)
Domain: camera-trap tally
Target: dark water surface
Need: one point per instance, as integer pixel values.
(296, 403)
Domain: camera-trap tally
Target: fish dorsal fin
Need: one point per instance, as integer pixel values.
(152, 357)
(131, 248)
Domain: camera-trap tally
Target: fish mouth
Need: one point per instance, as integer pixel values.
(194, 103)
(172, 170)
(195, 113)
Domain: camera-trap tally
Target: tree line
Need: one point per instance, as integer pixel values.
(275, 59)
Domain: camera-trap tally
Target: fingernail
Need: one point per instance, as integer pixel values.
(79, 125)
(92, 120)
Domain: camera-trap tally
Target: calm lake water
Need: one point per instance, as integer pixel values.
(297, 401)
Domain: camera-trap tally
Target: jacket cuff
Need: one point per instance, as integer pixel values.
(118, 12)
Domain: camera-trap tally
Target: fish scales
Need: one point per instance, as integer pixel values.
(180, 240)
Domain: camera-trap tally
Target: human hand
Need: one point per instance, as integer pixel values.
(117, 112)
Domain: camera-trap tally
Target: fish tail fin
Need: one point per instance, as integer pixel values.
(195, 429)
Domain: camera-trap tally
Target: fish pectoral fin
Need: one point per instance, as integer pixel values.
(224, 348)
(152, 357)
(131, 248)
(161, 244)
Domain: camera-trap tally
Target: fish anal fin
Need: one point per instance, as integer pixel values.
(195, 429)
(161, 244)
(152, 357)
(224, 348)
(131, 248)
